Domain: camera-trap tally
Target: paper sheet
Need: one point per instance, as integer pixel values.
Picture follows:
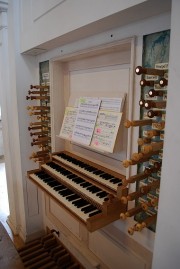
(68, 123)
(106, 130)
(85, 120)
(112, 104)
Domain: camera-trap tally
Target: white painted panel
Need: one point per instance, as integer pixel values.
(32, 199)
(54, 20)
(42, 7)
(100, 82)
(62, 215)
(110, 81)
(113, 255)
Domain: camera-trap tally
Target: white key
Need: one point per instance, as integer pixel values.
(89, 174)
(74, 184)
(61, 199)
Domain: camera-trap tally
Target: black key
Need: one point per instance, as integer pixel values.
(91, 169)
(66, 173)
(88, 209)
(102, 194)
(78, 180)
(66, 193)
(83, 203)
(78, 163)
(98, 172)
(58, 170)
(71, 176)
(106, 176)
(48, 180)
(44, 176)
(81, 164)
(86, 184)
(62, 190)
(58, 188)
(53, 165)
(96, 190)
(84, 165)
(78, 202)
(114, 180)
(95, 213)
(39, 173)
(93, 189)
(53, 183)
(73, 197)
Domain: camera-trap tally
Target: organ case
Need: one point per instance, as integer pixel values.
(114, 63)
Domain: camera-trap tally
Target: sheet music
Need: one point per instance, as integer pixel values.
(68, 123)
(112, 104)
(85, 120)
(106, 129)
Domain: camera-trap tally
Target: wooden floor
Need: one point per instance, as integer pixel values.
(4, 206)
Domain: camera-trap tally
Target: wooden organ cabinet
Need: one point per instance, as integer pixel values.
(85, 188)
(88, 190)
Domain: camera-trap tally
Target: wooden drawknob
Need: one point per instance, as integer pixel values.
(126, 163)
(131, 231)
(140, 226)
(127, 124)
(124, 200)
(123, 216)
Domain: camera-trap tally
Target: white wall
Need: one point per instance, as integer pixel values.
(44, 23)
(44, 20)
(167, 243)
(17, 72)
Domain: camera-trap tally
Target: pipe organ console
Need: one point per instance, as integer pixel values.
(89, 192)
(93, 194)
(150, 144)
(84, 193)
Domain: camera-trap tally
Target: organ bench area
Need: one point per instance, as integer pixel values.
(91, 193)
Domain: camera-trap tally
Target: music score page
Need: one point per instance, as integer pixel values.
(85, 120)
(106, 130)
